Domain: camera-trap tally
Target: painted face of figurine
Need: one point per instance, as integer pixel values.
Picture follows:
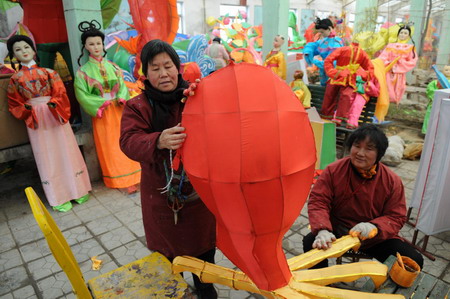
(446, 71)
(324, 32)
(363, 154)
(94, 45)
(23, 51)
(278, 42)
(403, 34)
(162, 73)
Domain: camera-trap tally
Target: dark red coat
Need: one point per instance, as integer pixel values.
(194, 233)
(341, 198)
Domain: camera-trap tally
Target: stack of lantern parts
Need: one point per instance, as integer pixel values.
(250, 155)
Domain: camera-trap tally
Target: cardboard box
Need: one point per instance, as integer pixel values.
(12, 130)
(325, 139)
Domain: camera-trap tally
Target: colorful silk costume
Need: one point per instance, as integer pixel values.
(323, 48)
(276, 61)
(61, 167)
(302, 92)
(101, 91)
(396, 78)
(351, 61)
(431, 89)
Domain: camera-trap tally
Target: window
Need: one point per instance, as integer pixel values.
(380, 22)
(323, 14)
(180, 10)
(233, 12)
(351, 20)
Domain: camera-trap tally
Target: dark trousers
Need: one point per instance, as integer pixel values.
(380, 251)
(204, 290)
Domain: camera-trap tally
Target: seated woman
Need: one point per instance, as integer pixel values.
(358, 195)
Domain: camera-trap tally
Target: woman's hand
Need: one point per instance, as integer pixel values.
(171, 138)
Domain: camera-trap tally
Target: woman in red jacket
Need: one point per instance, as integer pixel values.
(176, 222)
(359, 195)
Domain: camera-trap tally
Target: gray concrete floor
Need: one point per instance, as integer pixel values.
(109, 226)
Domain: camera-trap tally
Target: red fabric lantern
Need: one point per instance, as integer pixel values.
(250, 155)
(45, 19)
(190, 71)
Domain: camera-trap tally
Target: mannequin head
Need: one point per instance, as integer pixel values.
(446, 71)
(404, 33)
(298, 75)
(92, 39)
(22, 48)
(278, 41)
(324, 26)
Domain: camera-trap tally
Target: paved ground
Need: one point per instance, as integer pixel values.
(109, 226)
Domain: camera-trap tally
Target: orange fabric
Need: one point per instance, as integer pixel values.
(117, 169)
(251, 159)
(36, 82)
(368, 174)
(157, 19)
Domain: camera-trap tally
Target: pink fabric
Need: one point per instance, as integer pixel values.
(396, 79)
(61, 167)
(102, 108)
(372, 89)
(5, 70)
(355, 109)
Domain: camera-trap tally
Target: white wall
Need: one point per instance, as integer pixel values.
(196, 11)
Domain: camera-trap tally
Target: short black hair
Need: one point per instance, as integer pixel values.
(217, 39)
(375, 134)
(155, 47)
(324, 24)
(14, 39)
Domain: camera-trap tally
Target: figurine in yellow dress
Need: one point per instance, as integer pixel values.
(275, 60)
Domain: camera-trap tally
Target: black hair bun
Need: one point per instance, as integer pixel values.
(88, 26)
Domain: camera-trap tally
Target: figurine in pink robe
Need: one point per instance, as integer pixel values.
(396, 78)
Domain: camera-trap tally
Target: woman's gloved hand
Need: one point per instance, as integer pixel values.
(324, 239)
(364, 231)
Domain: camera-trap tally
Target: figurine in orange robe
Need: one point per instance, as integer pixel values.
(38, 96)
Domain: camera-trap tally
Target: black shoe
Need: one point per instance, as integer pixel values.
(207, 293)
